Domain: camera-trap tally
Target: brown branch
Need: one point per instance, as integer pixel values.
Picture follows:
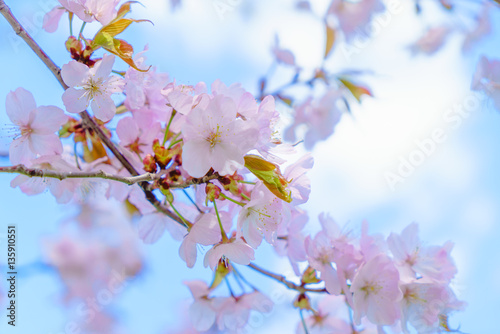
(37, 172)
(283, 280)
(19, 30)
(194, 181)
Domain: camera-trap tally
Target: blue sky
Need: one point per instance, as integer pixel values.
(453, 195)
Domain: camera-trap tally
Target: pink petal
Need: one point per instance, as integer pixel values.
(127, 130)
(195, 157)
(188, 252)
(18, 105)
(202, 315)
(75, 100)
(74, 73)
(45, 144)
(103, 107)
(151, 227)
(52, 18)
(102, 68)
(19, 151)
(239, 252)
(48, 119)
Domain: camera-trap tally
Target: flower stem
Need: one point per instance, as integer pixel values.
(246, 182)
(232, 200)
(186, 223)
(70, 19)
(168, 126)
(303, 322)
(81, 30)
(222, 232)
(283, 280)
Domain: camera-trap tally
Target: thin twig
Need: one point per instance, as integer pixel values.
(283, 280)
(37, 172)
(194, 181)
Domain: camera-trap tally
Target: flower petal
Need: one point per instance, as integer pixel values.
(103, 107)
(102, 69)
(151, 228)
(74, 73)
(45, 144)
(75, 100)
(19, 151)
(48, 119)
(18, 105)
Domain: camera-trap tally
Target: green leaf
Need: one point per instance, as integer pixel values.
(356, 90)
(270, 175)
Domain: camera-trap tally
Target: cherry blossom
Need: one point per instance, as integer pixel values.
(236, 251)
(215, 138)
(376, 293)
(424, 304)
(353, 16)
(487, 79)
(205, 231)
(319, 117)
(96, 87)
(431, 41)
(326, 319)
(201, 311)
(428, 261)
(36, 126)
(260, 217)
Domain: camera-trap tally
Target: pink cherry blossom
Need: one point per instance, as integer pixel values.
(206, 232)
(318, 116)
(487, 79)
(215, 138)
(321, 254)
(353, 16)
(152, 226)
(96, 87)
(376, 293)
(36, 127)
(327, 320)
(137, 139)
(260, 217)
(299, 184)
(346, 256)
(233, 313)
(201, 311)
(432, 262)
(432, 40)
(424, 303)
(183, 97)
(52, 18)
(89, 10)
(246, 105)
(290, 241)
(283, 56)
(481, 29)
(236, 251)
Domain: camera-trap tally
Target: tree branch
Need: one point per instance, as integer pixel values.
(37, 172)
(194, 181)
(282, 279)
(87, 120)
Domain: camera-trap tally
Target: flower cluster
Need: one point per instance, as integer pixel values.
(217, 145)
